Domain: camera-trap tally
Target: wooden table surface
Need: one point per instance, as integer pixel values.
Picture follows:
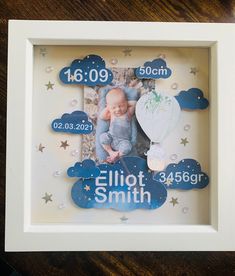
(107, 263)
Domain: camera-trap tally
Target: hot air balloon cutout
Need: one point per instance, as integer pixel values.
(158, 114)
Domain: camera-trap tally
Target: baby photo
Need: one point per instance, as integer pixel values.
(112, 111)
(119, 112)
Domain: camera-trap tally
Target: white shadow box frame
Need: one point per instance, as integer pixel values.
(21, 235)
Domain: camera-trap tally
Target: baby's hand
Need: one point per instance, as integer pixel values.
(105, 114)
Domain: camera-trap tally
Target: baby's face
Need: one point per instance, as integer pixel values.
(117, 103)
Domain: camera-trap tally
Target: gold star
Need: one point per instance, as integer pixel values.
(127, 52)
(41, 147)
(168, 182)
(184, 141)
(47, 197)
(87, 188)
(64, 144)
(49, 85)
(174, 201)
(193, 70)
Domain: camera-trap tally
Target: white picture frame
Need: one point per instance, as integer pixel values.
(21, 235)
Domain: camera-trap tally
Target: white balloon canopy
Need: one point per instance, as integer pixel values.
(157, 114)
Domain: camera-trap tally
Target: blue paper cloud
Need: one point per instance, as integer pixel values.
(85, 169)
(90, 71)
(192, 99)
(76, 122)
(185, 175)
(156, 69)
(124, 186)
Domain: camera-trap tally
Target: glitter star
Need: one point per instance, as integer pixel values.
(47, 197)
(64, 144)
(174, 201)
(168, 182)
(87, 188)
(113, 61)
(185, 210)
(193, 70)
(49, 85)
(62, 205)
(41, 147)
(123, 218)
(187, 127)
(127, 52)
(43, 51)
(184, 141)
(174, 85)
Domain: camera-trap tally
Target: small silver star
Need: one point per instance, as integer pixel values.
(64, 144)
(43, 51)
(184, 141)
(193, 70)
(49, 85)
(41, 147)
(124, 219)
(127, 52)
(47, 197)
(174, 201)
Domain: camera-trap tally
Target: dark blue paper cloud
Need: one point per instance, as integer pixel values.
(185, 175)
(85, 169)
(192, 99)
(156, 69)
(90, 71)
(76, 122)
(85, 194)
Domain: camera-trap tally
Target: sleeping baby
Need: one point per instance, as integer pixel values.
(117, 141)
